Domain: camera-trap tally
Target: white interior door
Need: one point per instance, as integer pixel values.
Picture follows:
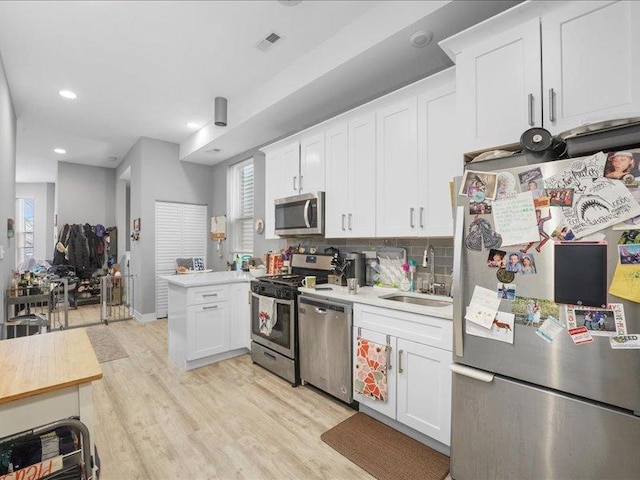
(181, 231)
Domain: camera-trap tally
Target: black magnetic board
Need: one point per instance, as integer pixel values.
(580, 274)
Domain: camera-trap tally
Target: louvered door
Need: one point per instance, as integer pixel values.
(181, 231)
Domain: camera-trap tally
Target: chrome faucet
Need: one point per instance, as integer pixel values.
(431, 253)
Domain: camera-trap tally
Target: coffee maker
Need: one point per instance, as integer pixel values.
(356, 264)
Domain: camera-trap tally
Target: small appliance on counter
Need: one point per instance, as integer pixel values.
(356, 264)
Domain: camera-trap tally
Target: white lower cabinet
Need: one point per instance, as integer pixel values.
(208, 323)
(424, 389)
(207, 329)
(418, 375)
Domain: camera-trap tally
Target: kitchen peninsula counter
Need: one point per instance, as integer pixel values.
(373, 296)
(209, 317)
(46, 378)
(187, 280)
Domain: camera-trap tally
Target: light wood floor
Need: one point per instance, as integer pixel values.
(86, 315)
(231, 420)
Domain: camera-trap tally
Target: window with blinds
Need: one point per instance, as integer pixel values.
(241, 206)
(25, 214)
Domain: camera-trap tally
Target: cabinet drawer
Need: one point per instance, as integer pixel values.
(435, 332)
(207, 294)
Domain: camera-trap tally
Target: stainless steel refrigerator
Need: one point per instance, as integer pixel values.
(532, 409)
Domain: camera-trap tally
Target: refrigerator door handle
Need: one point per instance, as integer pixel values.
(456, 291)
(471, 372)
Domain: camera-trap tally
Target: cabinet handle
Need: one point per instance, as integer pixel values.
(531, 122)
(400, 361)
(210, 307)
(350, 216)
(343, 217)
(411, 217)
(421, 217)
(210, 295)
(295, 188)
(552, 105)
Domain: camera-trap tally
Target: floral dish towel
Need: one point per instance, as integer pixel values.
(371, 370)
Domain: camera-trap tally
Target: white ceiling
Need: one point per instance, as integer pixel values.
(147, 68)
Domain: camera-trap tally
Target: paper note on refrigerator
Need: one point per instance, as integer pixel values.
(625, 341)
(515, 219)
(580, 335)
(501, 328)
(550, 329)
(598, 202)
(483, 307)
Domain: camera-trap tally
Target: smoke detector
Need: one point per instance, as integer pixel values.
(213, 151)
(267, 42)
(421, 38)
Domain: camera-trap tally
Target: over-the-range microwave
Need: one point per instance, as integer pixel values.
(300, 215)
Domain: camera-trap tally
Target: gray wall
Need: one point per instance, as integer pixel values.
(43, 195)
(86, 194)
(157, 174)
(7, 181)
(219, 206)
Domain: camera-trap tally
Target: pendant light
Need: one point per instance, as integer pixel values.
(220, 112)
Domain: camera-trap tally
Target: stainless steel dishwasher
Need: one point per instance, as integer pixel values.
(324, 329)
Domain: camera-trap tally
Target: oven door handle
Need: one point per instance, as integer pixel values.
(277, 300)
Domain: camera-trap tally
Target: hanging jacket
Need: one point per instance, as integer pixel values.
(79, 252)
(91, 246)
(60, 250)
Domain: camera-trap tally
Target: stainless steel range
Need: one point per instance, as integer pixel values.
(274, 321)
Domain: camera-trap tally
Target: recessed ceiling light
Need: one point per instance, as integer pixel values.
(61, 151)
(193, 125)
(67, 94)
(421, 38)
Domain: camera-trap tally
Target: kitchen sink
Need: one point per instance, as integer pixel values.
(426, 302)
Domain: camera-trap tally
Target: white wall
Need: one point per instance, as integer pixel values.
(158, 174)
(7, 181)
(86, 194)
(43, 194)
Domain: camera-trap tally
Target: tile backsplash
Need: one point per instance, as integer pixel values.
(415, 248)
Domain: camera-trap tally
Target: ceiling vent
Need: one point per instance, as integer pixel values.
(267, 42)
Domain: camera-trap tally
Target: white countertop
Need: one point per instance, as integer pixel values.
(210, 278)
(371, 296)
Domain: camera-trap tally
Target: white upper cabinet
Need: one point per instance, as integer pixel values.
(590, 63)
(351, 177)
(387, 165)
(498, 87)
(397, 167)
(337, 194)
(554, 65)
(289, 170)
(312, 163)
(361, 215)
(439, 156)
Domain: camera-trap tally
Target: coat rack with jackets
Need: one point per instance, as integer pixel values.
(86, 248)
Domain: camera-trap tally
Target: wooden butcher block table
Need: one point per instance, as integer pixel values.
(45, 378)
